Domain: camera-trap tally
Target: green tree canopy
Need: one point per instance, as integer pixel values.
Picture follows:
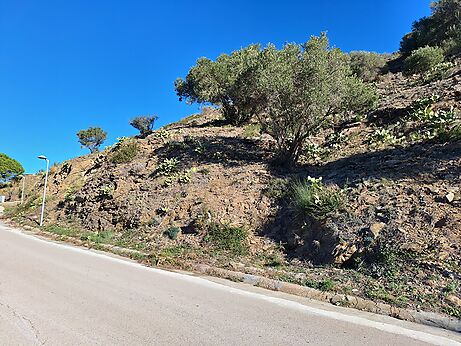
(92, 138)
(442, 28)
(307, 87)
(227, 82)
(9, 168)
(144, 124)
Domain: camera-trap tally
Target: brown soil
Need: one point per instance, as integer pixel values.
(398, 240)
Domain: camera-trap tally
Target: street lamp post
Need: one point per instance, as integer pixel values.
(23, 188)
(42, 157)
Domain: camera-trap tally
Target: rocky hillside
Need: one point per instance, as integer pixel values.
(203, 191)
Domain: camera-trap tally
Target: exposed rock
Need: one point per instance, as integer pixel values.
(454, 300)
(450, 197)
(376, 228)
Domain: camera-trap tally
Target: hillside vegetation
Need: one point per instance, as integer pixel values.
(336, 171)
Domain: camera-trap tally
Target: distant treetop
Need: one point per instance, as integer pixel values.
(442, 28)
(9, 168)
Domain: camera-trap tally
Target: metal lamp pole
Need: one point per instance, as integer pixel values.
(23, 188)
(42, 157)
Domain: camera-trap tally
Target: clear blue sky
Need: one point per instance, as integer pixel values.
(68, 65)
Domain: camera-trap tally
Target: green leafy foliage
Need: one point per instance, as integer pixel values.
(92, 138)
(167, 167)
(442, 28)
(439, 124)
(172, 232)
(438, 72)
(144, 124)
(307, 87)
(423, 60)
(367, 65)
(124, 151)
(382, 136)
(9, 168)
(311, 198)
(227, 82)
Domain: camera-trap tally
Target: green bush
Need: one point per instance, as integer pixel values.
(306, 88)
(167, 167)
(252, 130)
(125, 151)
(227, 238)
(438, 72)
(382, 136)
(423, 60)
(311, 198)
(367, 65)
(172, 232)
(439, 124)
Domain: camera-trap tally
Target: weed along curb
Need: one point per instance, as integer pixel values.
(421, 317)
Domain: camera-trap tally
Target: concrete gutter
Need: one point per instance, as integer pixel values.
(422, 317)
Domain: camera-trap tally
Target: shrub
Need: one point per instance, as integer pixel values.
(92, 138)
(313, 199)
(314, 152)
(367, 65)
(167, 167)
(125, 151)
(9, 168)
(144, 124)
(227, 238)
(438, 124)
(172, 232)
(423, 60)
(450, 134)
(306, 87)
(382, 136)
(69, 195)
(438, 72)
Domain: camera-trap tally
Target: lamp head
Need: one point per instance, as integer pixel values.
(42, 157)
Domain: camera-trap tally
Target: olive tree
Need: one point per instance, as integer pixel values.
(227, 82)
(304, 88)
(92, 138)
(9, 168)
(144, 124)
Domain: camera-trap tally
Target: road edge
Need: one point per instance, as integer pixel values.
(349, 301)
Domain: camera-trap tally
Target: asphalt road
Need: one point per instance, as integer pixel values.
(55, 294)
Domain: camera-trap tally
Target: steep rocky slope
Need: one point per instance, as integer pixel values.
(180, 192)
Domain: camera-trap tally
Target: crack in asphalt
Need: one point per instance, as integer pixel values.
(26, 321)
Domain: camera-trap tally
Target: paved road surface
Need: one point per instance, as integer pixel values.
(60, 295)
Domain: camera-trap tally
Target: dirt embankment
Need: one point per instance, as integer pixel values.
(190, 184)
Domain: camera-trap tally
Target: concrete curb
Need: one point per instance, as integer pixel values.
(422, 317)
